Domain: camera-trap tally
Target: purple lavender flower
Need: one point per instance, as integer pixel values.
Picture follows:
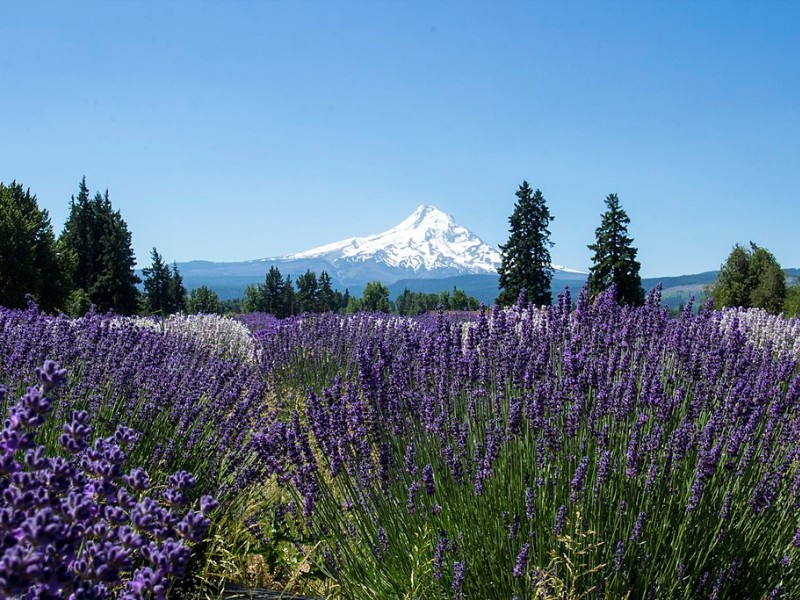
(578, 479)
(410, 460)
(438, 554)
(458, 579)
(427, 479)
(618, 554)
(637, 527)
(521, 565)
(561, 517)
(412, 493)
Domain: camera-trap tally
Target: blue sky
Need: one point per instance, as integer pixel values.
(239, 130)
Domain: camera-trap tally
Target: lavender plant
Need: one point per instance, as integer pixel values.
(76, 525)
(226, 337)
(601, 450)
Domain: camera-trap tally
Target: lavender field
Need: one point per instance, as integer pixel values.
(575, 451)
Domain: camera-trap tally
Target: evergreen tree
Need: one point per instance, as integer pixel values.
(344, 300)
(203, 300)
(177, 291)
(750, 278)
(254, 300)
(526, 256)
(328, 302)
(289, 302)
(307, 292)
(273, 292)
(157, 284)
(78, 237)
(614, 261)
(97, 238)
(375, 298)
(30, 261)
(461, 301)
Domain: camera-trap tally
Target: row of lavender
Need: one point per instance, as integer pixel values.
(104, 452)
(600, 449)
(493, 455)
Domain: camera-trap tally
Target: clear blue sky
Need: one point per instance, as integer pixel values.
(239, 130)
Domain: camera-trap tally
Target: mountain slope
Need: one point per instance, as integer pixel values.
(427, 242)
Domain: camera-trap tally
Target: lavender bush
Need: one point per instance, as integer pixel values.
(77, 525)
(194, 407)
(601, 450)
(226, 337)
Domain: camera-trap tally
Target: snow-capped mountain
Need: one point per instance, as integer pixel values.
(427, 242)
(428, 251)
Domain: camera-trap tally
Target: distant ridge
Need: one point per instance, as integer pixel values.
(426, 252)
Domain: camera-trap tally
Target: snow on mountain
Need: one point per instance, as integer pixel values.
(429, 240)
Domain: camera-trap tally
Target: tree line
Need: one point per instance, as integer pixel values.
(92, 264)
(750, 278)
(281, 297)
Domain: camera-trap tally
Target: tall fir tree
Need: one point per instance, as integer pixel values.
(177, 291)
(157, 283)
(203, 300)
(273, 292)
(114, 287)
(614, 260)
(78, 237)
(30, 261)
(328, 302)
(289, 300)
(307, 292)
(97, 238)
(526, 256)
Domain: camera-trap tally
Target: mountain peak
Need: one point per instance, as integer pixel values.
(428, 241)
(427, 216)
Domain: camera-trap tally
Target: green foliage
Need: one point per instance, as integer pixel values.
(750, 278)
(278, 297)
(273, 293)
(327, 298)
(375, 298)
(791, 306)
(30, 261)
(177, 291)
(526, 255)
(288, 299)
(414, 303)
(203, 300)
(614, 261)
(98, 239)
(164, 290)
(307, 292)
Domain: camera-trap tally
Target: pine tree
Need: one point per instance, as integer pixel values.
(307, 292)
(78, 237)
(157, 283)
(328, 302)
(203, 300)
(289, 302)
(115, 285)
(97, 238)
(526, 256)
(29, 256)
(273, 292)
(375, 298)
(177, 291)
(344, 300)
(614, 261)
